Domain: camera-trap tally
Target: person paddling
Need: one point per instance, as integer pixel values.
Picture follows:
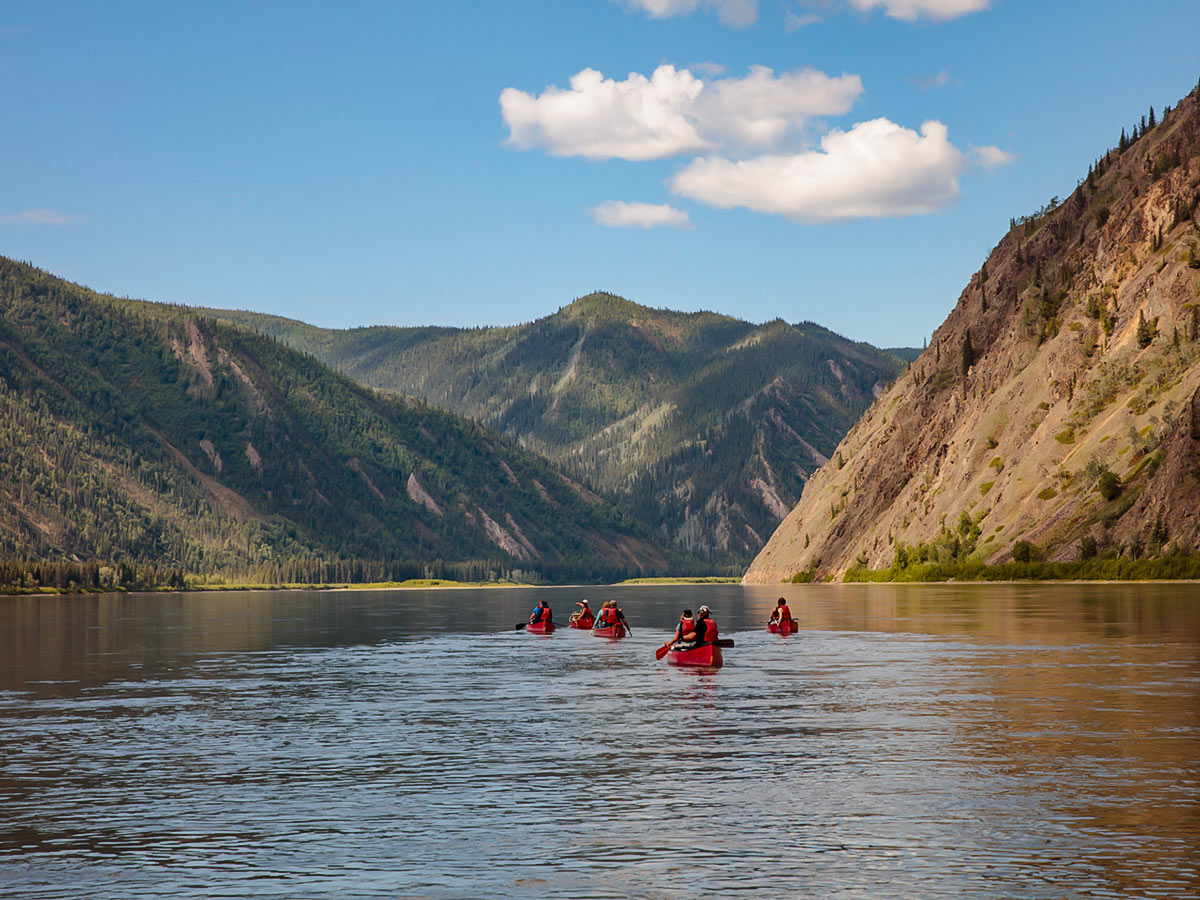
(687, 624)
(781, 616)
(541, 613)
(584, 614)
(611, 615)
(703, 632)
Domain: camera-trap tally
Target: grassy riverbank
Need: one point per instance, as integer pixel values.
(1166, 568)
(685, 579)
(197, 586)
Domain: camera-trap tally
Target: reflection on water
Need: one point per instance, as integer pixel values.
(982, 741)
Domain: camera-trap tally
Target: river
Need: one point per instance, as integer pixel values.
(999, 741)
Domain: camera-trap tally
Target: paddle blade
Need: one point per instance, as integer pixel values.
(662, 651)
(520, 626)
(725, 642)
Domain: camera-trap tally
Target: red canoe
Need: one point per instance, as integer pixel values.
(583, 622)
(540, 627)
(609, 631)
(706, 655)
(775, 629)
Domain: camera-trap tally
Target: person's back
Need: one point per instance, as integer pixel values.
(541, 613)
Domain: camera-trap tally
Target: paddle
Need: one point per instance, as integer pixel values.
(662, 651)
(520, 626)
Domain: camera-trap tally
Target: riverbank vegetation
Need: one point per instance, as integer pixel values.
(1180, 567)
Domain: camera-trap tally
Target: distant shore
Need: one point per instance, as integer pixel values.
(411, 584)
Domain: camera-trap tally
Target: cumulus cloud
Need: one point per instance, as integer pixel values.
(877, 169)
(38, 217)
(991, 157)
(671, 112)
(911, 10)
(619, 214)
(736, 13)
(760, 109)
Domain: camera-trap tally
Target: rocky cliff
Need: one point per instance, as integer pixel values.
(1056, 411)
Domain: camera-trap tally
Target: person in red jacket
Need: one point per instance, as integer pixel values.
(782, 616)
(687, 624)
(541, 613)
(584, 615)
(703, 632)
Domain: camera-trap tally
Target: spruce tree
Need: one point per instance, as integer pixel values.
(1144, 337)
(1152, 121)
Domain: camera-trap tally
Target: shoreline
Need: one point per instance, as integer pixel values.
(422, 584)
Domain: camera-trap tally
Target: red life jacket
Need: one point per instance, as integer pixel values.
(686, 625)
(710, 631)
(785, 614)
(543, 614)
(608, 616)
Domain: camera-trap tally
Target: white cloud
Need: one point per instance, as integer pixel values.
(736, 13)
(911, 10)
(877, 169)
(991, 157)
(619, 214)
(672, 112)
(38, 217)
(793, 22)
(637, 119)
(760, 109)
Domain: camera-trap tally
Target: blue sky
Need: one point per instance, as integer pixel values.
(351, 164)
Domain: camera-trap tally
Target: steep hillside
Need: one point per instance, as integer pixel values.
(1056, 410)
(705, 425)
(134, 431)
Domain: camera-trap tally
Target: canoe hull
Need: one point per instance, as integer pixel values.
(583, 624)
(613, 631)
(540, 628)
(775, 629)
(706, 656)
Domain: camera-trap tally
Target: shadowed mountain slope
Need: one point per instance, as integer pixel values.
(704, 426)
(139, 431)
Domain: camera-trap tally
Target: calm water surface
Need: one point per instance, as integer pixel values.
(909, 742)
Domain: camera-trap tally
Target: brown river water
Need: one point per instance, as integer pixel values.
(1000, 741)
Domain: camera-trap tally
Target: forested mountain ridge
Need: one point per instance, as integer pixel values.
(1056, 411)
(703, 424)
(142, 432)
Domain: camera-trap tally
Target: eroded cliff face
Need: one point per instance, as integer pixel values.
(1073, 353)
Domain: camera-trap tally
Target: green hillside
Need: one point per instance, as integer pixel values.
(704, 425)
(147, 434)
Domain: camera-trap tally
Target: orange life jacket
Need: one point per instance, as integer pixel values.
(543, 614)
(608, 616)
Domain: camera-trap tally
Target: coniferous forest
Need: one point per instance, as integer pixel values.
(142, 445)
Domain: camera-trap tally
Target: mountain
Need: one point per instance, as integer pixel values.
(1056, 411)
(705, 425)
(141, 432)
